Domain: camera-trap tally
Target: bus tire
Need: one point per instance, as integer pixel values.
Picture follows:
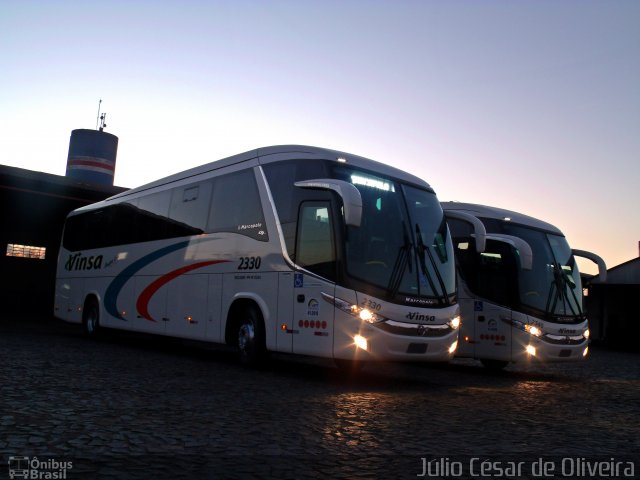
(250, 337)
(91, 318)
(495, 365)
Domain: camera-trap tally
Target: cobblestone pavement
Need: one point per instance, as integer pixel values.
(130, 406)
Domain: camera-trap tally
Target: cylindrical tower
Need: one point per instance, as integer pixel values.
(92, 156)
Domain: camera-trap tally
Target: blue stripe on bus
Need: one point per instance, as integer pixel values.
(114, 288)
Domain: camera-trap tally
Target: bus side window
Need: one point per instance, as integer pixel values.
(236, 206)
(315, 248)
(496, 274)
(281, 177)
(122, 218)
(152, 217)
(190, 208)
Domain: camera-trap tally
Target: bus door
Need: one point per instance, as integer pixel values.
(495, 288)
(316, 254)
(492, 331)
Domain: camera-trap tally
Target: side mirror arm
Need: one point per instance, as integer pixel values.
(480, 233)
(350, 195)
(602, 267)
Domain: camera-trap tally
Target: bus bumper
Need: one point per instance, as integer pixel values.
(526, 348)
(371, 343)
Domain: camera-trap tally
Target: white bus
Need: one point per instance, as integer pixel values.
(287, 248)
(519, 287)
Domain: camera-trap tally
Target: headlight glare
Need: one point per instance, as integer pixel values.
(357, 311)
(361, 342)
(454, 323)
(533, 330)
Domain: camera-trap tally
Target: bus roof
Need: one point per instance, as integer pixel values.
(272, 154)
(484, 211)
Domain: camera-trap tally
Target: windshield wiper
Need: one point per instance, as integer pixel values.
(560, 284)
(402, 260)
(569, 284)
(421, 258)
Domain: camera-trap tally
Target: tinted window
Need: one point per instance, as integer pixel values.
(152, 217)
(190, 206)
(315, 250)
(236, 206)
(287, 197)
(491, 274)
(180, 212)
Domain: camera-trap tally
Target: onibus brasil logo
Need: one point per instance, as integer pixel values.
(25, 467)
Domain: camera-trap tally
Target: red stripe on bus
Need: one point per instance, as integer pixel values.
(142, 305)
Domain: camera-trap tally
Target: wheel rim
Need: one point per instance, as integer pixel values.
(246, 337)
(92, 320)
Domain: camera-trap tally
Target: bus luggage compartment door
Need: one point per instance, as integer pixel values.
(493, 332)
(312, 315)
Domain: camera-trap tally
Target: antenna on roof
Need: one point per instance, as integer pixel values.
(98, 116)
(101, 119)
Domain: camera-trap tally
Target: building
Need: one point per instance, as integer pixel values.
(612, 306)
(33, 207)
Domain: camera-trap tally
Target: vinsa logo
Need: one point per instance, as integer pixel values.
(420, 317)
(79, 262)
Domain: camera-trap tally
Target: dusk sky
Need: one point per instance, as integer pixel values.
(532, 106)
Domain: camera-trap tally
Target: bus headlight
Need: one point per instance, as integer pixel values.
(357, 311)
(365, 314)
(454, 323)
(533, 330)
(586, 334)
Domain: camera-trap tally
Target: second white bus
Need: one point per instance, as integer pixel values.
(288, 249)
(519, 287)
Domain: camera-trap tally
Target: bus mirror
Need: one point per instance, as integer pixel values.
(524, 249)
(602, 267)
(480, 233)
(349, 194)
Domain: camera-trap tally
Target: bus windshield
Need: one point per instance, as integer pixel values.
(553, 284)
(403, 244)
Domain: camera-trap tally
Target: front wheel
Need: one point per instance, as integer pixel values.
(251, 337)
(91, 318)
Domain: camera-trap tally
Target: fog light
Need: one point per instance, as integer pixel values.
(531, 350)
(586, 351)
(453, 347)
(360, 342)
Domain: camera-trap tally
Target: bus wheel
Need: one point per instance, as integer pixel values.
(91, 318)
(251, 337)
(494, 364)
